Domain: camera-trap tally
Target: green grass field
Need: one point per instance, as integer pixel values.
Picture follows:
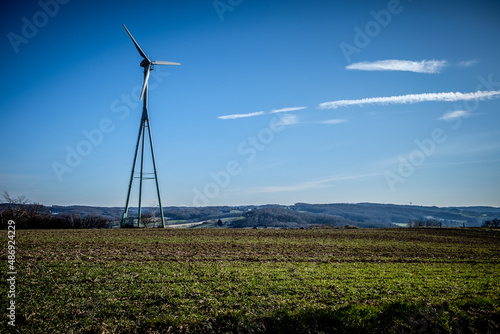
(256, 281)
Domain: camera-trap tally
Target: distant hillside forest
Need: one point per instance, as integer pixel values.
(31, 215)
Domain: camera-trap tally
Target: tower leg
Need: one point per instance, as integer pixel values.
(141, 175)
(125, 213)
(156, 175)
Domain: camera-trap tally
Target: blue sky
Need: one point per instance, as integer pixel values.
(275, 101)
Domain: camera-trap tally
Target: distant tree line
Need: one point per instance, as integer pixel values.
(284, 218)
(424, 223)
(383, 215)
(492, 223)
(199, 213)
(29, 215)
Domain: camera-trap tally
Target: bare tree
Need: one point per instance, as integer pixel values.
(491, 223)
(25, 213)
(16, 207)
(94, 221)
(154, 212)
(147, 218)
(28, 214)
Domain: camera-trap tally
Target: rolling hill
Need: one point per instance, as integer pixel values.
(367, 215)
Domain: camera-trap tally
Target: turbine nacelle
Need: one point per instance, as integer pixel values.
(146, 63)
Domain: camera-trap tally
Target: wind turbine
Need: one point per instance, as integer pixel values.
(148, 67)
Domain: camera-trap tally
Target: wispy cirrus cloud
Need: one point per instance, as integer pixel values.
(333, 121)
(274, 111)
(259, 113)
(236, 116)
(414, 98)
(315, 184)
(424, 66)
(468, 63)
(454, 114)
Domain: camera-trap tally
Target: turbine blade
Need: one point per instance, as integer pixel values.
(161, 62)
(136, 45)
(146, 78)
